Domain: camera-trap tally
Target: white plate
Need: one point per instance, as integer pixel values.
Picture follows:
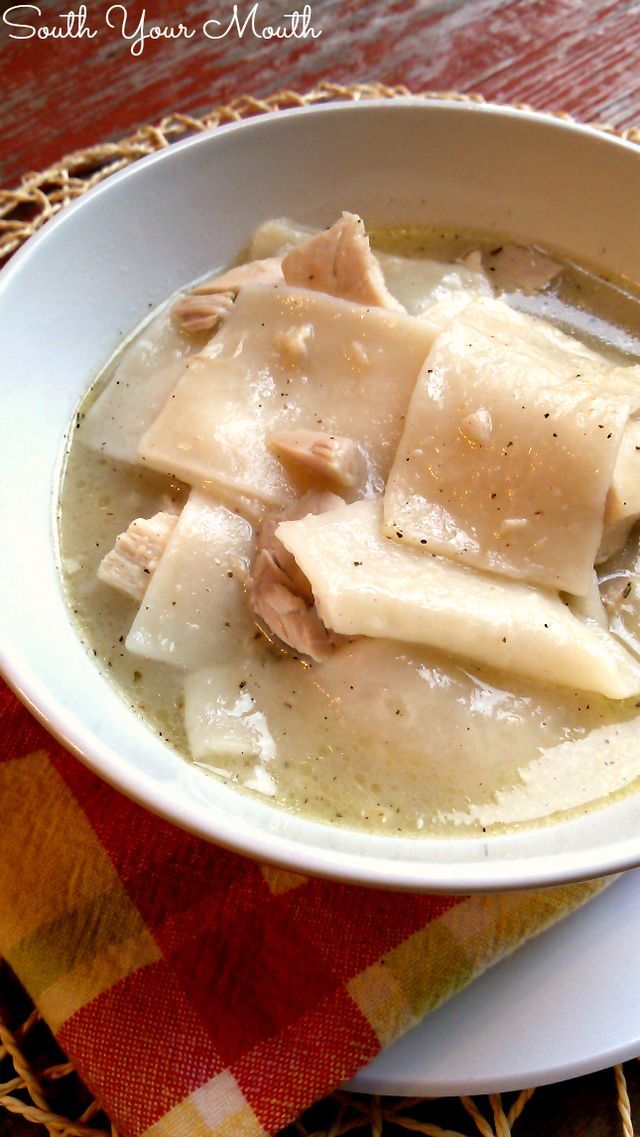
(564, 1005)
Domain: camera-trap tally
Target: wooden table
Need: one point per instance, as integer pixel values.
(58, 95)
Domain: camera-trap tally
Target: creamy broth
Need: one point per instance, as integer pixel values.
(387, 736)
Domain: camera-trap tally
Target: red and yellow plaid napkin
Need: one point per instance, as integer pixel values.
(200, 994)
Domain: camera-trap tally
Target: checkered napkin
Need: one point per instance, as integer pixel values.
(200, 994)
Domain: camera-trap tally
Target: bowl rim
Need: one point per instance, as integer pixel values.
(433, 100)
(234, 833)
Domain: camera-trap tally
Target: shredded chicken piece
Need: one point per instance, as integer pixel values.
(339, 261)
(267, 541)
(312, 502)
(280, 594)
(514, 267)
(136, 553)
(194, 314)
(332, 456)
(206, 306)
(294, 622)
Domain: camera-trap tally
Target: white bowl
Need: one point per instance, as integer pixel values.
(91, 275)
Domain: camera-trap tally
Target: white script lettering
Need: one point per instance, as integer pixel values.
(141, 33)
(73, 24)
(295, 25)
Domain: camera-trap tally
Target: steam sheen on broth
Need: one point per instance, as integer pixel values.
(386, 734)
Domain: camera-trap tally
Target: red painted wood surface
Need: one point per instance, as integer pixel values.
(58, 95)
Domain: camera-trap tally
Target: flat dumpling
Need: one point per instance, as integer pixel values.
(509, 448)
(146, 373)
(366, 584)
(601, 763)
(455, 731)
(227, 732)
(620, 591)
(277, 236)
(622, 508)
(419, 282)
(221, 718)
(288, 358)
(194, 611)
(383, 728)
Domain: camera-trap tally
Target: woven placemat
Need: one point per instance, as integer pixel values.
(38, 1085)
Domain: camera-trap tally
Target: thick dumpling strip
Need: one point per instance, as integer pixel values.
(277, 236)
(419, 283)
(288, 359)
(366, 584)
(222, 720)
(622, 508)
(589, 772)
(146, 373)
(194, 611)
(509, 449)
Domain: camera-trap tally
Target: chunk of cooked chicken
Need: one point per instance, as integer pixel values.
(195, 313)
(136, 553)
(294, 622)
(312, 502)
(331, 456)
(339, 261)
(206, 306)
(514, 267)
(280, 593)
(268, 542)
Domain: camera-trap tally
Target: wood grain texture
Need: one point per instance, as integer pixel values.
(59, 95)
(581, 56)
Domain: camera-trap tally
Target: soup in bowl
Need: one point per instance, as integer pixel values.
(348, 531)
